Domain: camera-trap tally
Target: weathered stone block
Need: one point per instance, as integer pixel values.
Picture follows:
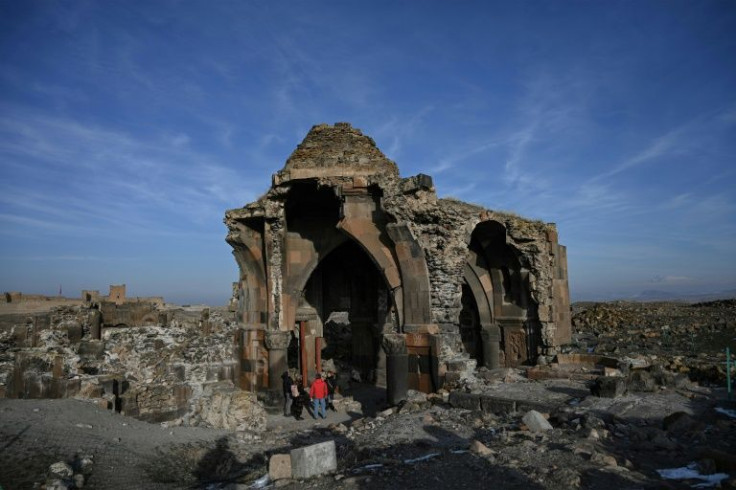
(279, 467)
(493, 404)
(470, 401)
(314, 460)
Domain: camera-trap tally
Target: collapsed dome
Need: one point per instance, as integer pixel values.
(344, 262)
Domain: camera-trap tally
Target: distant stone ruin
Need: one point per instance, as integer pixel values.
(17, 302)
(345, 264)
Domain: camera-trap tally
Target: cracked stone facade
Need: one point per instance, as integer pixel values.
(340, 233)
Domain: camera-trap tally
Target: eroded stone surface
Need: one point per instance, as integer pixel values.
(341, 235)
(182, 370)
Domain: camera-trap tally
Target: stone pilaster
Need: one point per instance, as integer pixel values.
(277, 342)
(490, 335)
(397, 367)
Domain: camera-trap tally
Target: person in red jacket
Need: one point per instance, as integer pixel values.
(318, 394)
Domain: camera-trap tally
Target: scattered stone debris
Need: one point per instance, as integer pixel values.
(64, 476)
(482, 429)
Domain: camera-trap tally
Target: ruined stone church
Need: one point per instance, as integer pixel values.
(345, 261)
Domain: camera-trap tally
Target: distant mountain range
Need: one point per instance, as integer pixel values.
(659, 295)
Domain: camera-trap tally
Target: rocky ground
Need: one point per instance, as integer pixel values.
(666, 409)
(687, 338)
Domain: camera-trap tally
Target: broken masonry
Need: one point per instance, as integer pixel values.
(345, 264)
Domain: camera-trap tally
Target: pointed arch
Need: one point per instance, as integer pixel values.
(253, 286)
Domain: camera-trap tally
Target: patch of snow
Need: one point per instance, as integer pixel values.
(726, 411)
(421, 458)
(690, 472)
(262, 482)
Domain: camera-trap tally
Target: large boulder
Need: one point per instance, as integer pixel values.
(231, 409)
(536, 422)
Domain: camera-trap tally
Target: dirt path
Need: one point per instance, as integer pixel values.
(127, 453)
(38, 433)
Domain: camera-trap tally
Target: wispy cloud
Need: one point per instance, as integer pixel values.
(460, 155)
(660, 147)
(513, 173)
(397, 129)
(110, 176)
(692, 138)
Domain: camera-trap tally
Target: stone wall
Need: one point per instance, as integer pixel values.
(165, 369)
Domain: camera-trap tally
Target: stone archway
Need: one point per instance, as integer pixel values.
(478, 299)
(496, 278)
(352, 310)
(252, 286)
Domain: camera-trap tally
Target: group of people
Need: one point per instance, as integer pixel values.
(321, 394)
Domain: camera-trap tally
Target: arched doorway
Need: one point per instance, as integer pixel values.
(496, 289)
(470, 329)
(352, 303)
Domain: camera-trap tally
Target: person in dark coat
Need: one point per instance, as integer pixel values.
(299, 399)
(286, 382)
(331, 381)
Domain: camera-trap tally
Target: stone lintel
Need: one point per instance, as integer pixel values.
(284, 176)
(351, 190)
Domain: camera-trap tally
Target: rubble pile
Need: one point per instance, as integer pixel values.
(588, 443)
(684, 338)
(585, 418)
(175, 370)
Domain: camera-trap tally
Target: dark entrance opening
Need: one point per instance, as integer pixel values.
(353, 304)
(470, 325)
(292, 353)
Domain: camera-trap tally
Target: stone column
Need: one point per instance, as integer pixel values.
(95, 322)
(397, 367)
(378, 333)
(277, 342)
(490, 335)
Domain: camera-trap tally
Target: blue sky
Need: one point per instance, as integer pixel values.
(128, 128)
